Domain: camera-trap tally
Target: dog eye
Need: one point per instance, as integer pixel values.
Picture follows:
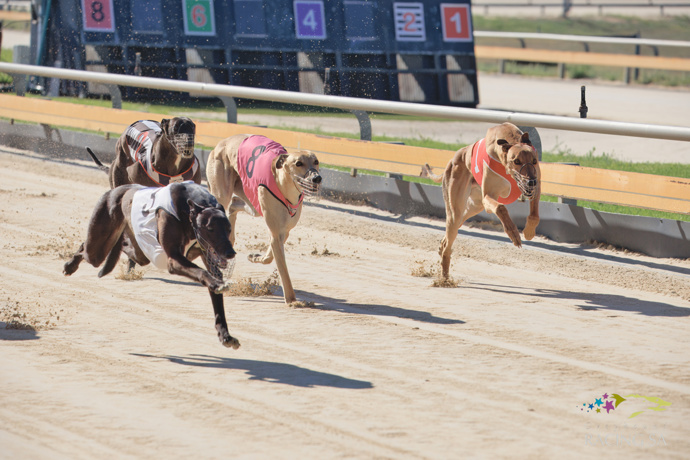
(316, 162)
(534, 161)
(517, 161)
(298, 164)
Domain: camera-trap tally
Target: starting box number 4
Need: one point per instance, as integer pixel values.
(310, 21)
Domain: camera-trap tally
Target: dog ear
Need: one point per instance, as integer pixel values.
(281, 160)
(525, 139)
(165, 124)
(194, 209)
(505, 145)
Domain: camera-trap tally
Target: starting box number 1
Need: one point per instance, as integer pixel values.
(456, 22)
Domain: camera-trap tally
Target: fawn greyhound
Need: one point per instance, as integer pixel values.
(488, 175)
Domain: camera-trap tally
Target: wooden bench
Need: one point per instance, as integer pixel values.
(599, 185)
(581, 57)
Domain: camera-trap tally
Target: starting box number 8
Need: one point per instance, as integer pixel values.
(98, 15)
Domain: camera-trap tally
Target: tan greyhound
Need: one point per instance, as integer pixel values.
(487, 175)
(257, 175)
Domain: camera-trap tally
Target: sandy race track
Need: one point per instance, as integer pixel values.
(512, 363)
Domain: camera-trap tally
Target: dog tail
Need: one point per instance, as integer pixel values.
(100, 165)
(426, 172)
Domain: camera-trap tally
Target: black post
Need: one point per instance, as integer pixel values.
(583, 104)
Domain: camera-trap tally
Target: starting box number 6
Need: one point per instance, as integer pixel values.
(199, 18)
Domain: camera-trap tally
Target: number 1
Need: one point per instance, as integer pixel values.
(457, 21)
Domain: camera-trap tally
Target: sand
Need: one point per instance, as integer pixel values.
(379, 365)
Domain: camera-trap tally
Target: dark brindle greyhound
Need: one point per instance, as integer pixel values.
(157, 225)
(154, 154)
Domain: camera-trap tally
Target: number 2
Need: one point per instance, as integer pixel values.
(409, 19)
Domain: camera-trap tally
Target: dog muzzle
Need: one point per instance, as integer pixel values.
(527, 186)
(184, 144)
(218, 266)
(309, 187)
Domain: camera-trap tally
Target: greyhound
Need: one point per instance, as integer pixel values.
(489, 174)
(160, 223)
(154, 154)
(257, 175)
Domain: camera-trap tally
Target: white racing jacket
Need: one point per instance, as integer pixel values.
(145, 205)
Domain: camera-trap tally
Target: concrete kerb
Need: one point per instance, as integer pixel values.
(560, 222)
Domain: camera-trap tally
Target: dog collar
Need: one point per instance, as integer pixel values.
(163, 179)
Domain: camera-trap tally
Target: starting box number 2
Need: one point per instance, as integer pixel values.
(410, 24)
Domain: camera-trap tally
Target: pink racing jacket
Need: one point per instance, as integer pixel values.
(254, 160)
(481, 160)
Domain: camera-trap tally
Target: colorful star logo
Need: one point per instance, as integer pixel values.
(609, 406)
(612, 401)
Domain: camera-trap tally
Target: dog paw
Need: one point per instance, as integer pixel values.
(529, 233)
(222, 287)
(69, 268)
(300, 304)
(229, 341)
(514, 235)
(530, 228)
(259, 259)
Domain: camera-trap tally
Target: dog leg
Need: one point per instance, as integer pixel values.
(446, 248)
(457, 189)
(278, 248)
(533, 218)
(501, 212)
(221, 323)
(112, 259)
(73, 264)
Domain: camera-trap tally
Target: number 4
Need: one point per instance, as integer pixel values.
(310, 20)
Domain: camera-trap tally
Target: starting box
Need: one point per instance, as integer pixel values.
(416, 51)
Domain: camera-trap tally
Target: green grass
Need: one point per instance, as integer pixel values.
(605, 161)
(665, 28)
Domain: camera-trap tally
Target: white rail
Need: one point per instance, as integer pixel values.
(677, 133)
(582, 38)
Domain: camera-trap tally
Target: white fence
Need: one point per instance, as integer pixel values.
(677, 133)
(584, 38)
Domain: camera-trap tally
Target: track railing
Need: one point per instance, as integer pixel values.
(574, 182)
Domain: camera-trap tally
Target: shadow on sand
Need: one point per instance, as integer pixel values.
(266, 371)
